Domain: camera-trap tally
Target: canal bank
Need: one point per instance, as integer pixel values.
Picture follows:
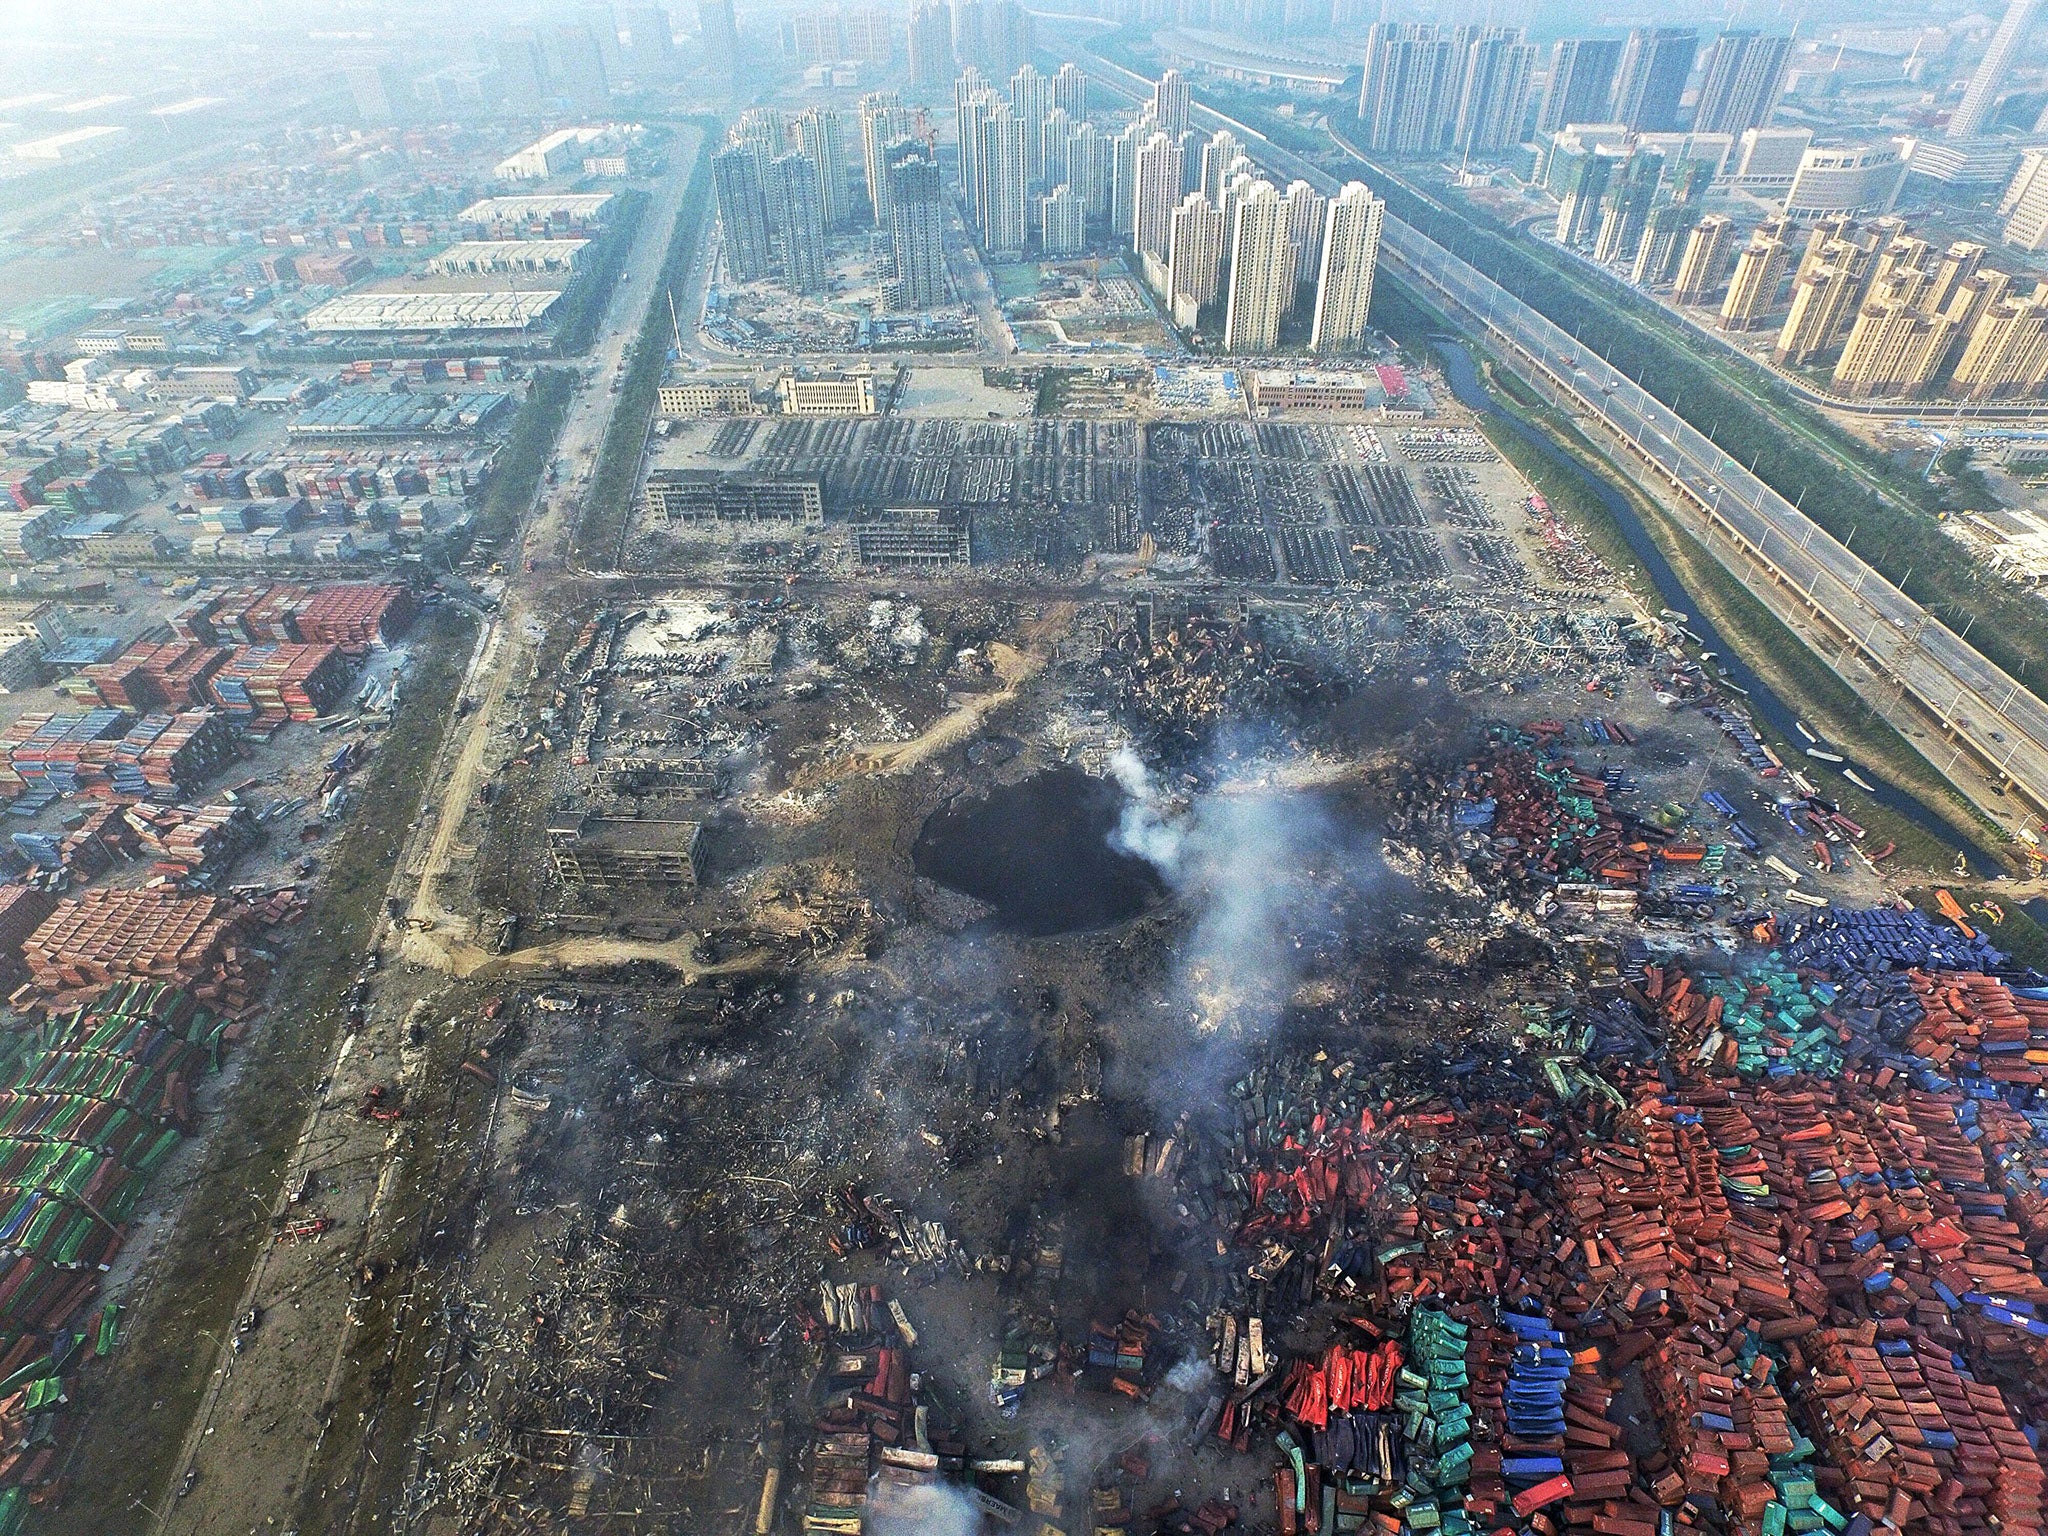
(1762, 698)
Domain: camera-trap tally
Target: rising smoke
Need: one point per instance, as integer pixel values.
(934, 1509)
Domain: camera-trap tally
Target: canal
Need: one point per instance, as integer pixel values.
(1466, 385)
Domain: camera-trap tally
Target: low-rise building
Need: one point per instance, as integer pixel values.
(706, 498)
(590, 852)
(846, 395)
(706, 397)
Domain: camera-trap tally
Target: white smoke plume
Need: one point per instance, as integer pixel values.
(1142, 830)
(934, 1509)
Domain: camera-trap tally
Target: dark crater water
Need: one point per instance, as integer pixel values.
(1038, 852)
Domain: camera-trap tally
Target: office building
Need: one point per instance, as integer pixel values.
(1980, 97)
(1625, 213)
(1583, 194)
(1663, 242)
(819, 138)
(844, 394)
(1759, 270)
(1581, 82)
(602, 23)
(1351, 253)
(1062, 222)
(883, 121)
(718, 35)
(1409, 100)
(1744, 78)
(1655, 64)
(1070, 91)
(382, 94)
(575, 67)
(1307, 212)
(652, 43)
(522, 81)
(816, 37)
(1766, 159)
(1195, 257)
(1704, 264)
(931, 48)
(796, 205)
(1158, 192)
(2007, 354)
(2025, 204)
(1170, 101)
(1493, 98)
(999, 180)
(1261, 271)
(1859, 180)
(916, 229)
(737, 180)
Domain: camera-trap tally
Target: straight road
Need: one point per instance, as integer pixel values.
(1981, 708)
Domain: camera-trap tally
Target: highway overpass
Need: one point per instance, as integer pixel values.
(1787, 559)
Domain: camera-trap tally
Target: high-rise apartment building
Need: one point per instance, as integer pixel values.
(1581, 82)
(931, 48)
(999, 182)
(1158, 189)
(1062, 222)
(1655, 64)
(1261, 271)
(1493, 97)
(1753, 290)
(2025, 204)
(916, 229)
(1123, 198)
(381, 92)
(1170, 100)
(796, 204)
(1006, 36)
(602, 23)
(1350, 257)
(1743, 81)
(883, 121)
(1070, 91)
(1195, 255)
(973, 100)
(1031, 100)
(762, 128)
(1222, 148)
(1056, 149)
(1704, 264)
(1307, 212)
(2007, 354)
(575, 67)
(737, 180)
(819, 138)
(1409, 100)
(1091, 162)
(870, 36)
(1826, 293)
(1980, 96)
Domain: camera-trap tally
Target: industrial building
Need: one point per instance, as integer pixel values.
(915, 538)
(557, 154)
(706, 498)
(443, 312)
(602, 853)
(476, 258)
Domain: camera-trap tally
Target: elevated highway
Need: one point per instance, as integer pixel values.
(1787, 559)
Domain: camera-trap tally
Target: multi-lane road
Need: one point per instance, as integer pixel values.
(1789, 561)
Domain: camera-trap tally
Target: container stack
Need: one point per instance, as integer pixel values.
(197, 943)
(358, 616)
(193, 845)
(108, 752)
(265, 685)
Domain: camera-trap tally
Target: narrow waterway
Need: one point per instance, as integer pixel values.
(1466, 385)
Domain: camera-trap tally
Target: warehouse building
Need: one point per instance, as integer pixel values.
(914, 538)
(705, 498)
(367, 313)
(470, 258)
(603, 853)
(560, 153)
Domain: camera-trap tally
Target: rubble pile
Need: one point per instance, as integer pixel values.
(1203, 672)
